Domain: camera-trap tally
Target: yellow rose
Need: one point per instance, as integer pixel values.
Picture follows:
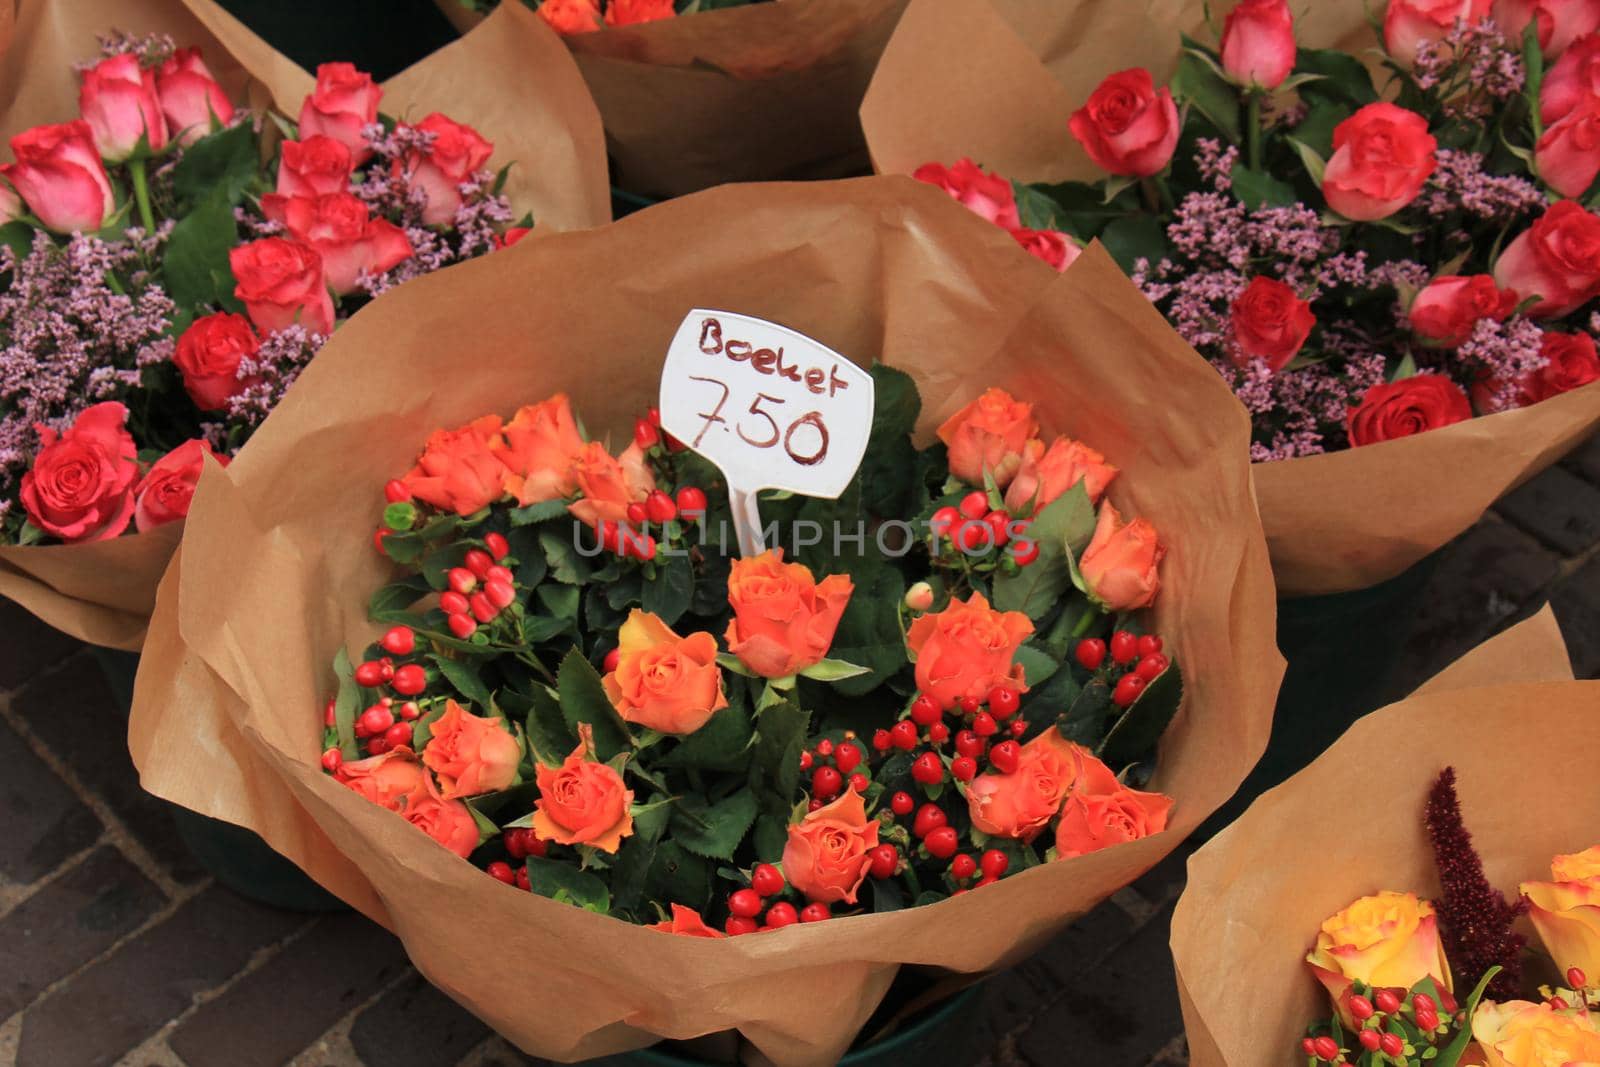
(1388, 941)
(1566, 910)
(1521, 1034)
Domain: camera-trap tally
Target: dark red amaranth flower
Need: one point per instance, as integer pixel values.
(1474, 917)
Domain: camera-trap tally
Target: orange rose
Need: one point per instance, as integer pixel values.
(1096, 817)
(783, 618)
(1390, 941)
(1519, 1033)
(393, 780)
(609, 484)
(471, 754)
(988, 433)
(1566, 910)
(459, 470)
(1046, 473)
(663, 681)
(571, 16)
(1022, 803)
(1120, 566)
(688, 922)
(448, 822)
(583, 802)
(826, 856)
(967, 650)
(541, 446)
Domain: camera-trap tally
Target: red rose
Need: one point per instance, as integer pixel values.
(1557, 259)
(59, 173)
(81, 485)
(1573, 79)
(1409, 23)
(191, 99)
(164, 493)
(1258, 46)
(1561, 22)
(338, 226)
(511, 236)
(1409, 406)
(1052, 246)
(1572, 363)
(344, 101)
(1270, 322)
(281, 284)
(1445, 312)
(628, 12)
(313, 167)
(1127, 127)
(208, 357)
(1568, 155)
(567, 17)
(118, 100)
(1382, 155)
(988, 195)
(458, 151)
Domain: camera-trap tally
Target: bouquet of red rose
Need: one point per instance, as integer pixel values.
(1405, 930)
(951, 687)
(1364, 255)
(172, 261)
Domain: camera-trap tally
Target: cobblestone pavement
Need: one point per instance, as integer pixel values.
(117, 948)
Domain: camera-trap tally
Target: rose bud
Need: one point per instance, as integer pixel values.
(1258, 46)
(471, 754)
(988, 434)
(783, 618)
(985, 194)
(1121, 565)
(919, 597)
(118, 100)
(281, 283)
(1574, 78)
(966, 650)
(1568, 155)
(571, 16)
(344, 101)
(583, 802)
(1127, 127)
(458, 151)
(313, 167)
(1052, 246)
(1390, 940)
(829, 851)
(663, 681)
(1382, 155)
(1520, 1033)
(343, 233)
(1557, 260)
(191, 100)
(1409, 406)
(1448, 308)
(1561, 22)
(164, 493)
(1409, 23)
(59, 175)
(80, 487)
(1270, 323)
(208, 357)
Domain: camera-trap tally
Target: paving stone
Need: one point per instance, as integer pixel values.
(45, 823)
(1119, 1014)
(73, 712)
(283, 1006)
(1010, 1000)
(415, 1025)
(1558, 508)
(1585, 460)
(29, 646)
(71, 921)
(1577, 606)
(119, 1001)
(1078, 948)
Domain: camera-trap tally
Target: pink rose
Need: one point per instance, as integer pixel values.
(1447, 310)
(1573, 363)
(208, 357)
(164, 493)
(1382, 155)
(191, 100)
(118, 100)
(1560, 21)
(343, 103)
(1574, 78)
(281, 283)
(59, 174)
(314, 167)
(1258, 47)
(1052, 246)
(458, 152)
(1568, 155)
(1409, 23)
(988, 195)
(1557, 259)
(80, 487)
(1127, 127)
(339, 227)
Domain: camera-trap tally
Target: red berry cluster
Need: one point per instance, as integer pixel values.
(1372, 1015)
(633, 539)
(387, 722)
(480, 589)
(1128, 663)
(520, 843)
(832, 767)
(761, 907)
(647, 433)
(976, 529)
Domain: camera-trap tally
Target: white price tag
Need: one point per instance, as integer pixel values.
(771, 407)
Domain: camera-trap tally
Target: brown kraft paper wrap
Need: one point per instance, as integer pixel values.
(277, 566)
(757, 92)
(543, 120)
(997, 79)
(1523, 738)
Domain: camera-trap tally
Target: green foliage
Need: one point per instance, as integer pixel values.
(226, 163)
(1199, 82)
(1135, 733)
(566, 883)
(1066, 524)
(713, 830)
(584, 700)
(195, 268)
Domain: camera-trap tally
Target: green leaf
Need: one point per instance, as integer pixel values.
(195, 268)
(566, 565)
(549, 736)
(1065, 524)
(1255, 189)
(1457, 1048)
(638, 852)
(780, 735)
(668, 595)
(584, 700)
(562, 881)
(680, 876)
(713, 831)
(1135, 734)
(227, 163)
(1344, 78)
(1047, 699)
(17, 236)
(1533, 63)
(1316, 129)
(1406, 368)
(1314, 163)
(1037, 664)
(722, 744)
(1035, 208)
(729, 662)
(1135, 237)
(896, 403)
(464, 679)
(869, 630)
(560, 600)
(1198, 82)
(1086, 716)
(397, 596)
(833, 670)
(346, 705)
(539, 512)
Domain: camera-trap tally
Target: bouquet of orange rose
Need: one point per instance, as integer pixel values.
(584, 693)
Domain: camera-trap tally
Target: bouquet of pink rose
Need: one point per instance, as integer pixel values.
(163, 286)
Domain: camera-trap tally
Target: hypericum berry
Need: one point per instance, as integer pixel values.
(963, 768)
(461, 580)
(1090, 653)
(944, 521)
(929, 817)
(332, 760)
(1308, 1046)
(881, 741)
(533, 844)
(938, 733)
(522, 880)
(497, 545)
(970, 704)
(1129, 686)
(645, 435)
(1576, 978)
(1370, 1040)
(883, 861)
(613, 658)
(1004, 702)
(904, 735)
(641, 547)
(478, 562)
(766, 880)
(983, 724)
(969, 743)
(1360, 1008)
(453, 603)
(660, 507)
(859, 782)
(1558, 1003)
(925, 712)
(461, 625)
(815, 912)
(1005, 756)
(826, 783)
(1149, 645)
(975, 505)
(994, 863)
(999, 524)
(805, 761)
(738, 924)
(919, 597)
(745, 902)
(370, 674)
(942, 842)
(1386, 1001)
(1024, 552)
(501, 594)
(1327, 1049)
(330, 712)
(1424, 1003)
(782, 914)
(501, 871)
(1391, 1044)
(825, 747)
(377, 719)
(902, 803)
(399, 640)
(637, 514)
(378, 536)
(691, 503)
(963, 867)
(1427, 1021)
(513, 839)
(927, 769)
(1019, 727)
(1124, 647)
(397, 735)
(482, 609)
(377, 746)
(395, 491)
(410, 679)
(1151, 666)
(973, 535)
